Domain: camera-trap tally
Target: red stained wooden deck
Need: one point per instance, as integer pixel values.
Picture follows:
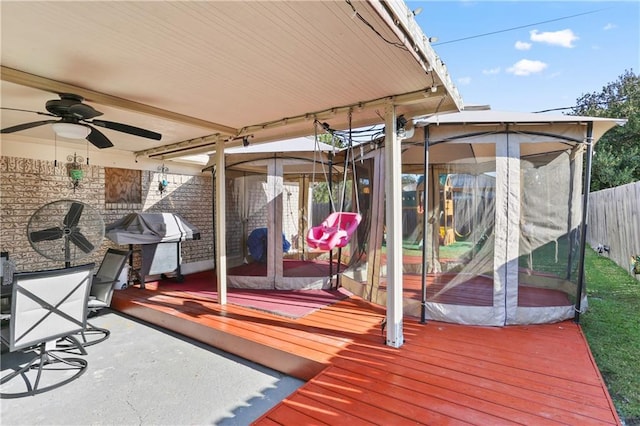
(443, 374)
(476, 291)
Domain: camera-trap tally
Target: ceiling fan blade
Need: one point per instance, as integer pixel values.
(26, 126)
(81, 241)
(73, 215)
(125, 128)
(83, 111)
(98, 139)
(28, 110)
(46, 235)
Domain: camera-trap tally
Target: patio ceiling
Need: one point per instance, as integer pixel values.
(199, 71)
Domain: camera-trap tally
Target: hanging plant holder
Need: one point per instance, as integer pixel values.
(75, 170)
(76, 174)
(163, 183)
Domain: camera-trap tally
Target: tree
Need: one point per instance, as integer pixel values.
(617, 154)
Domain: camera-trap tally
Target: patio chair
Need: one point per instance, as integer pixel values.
(102, 288)
(46, 306)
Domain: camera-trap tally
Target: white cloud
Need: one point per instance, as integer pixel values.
(526, 67)
(464, 81)
(609, 26)
(492, 71)
(564, 38)
(522, 45)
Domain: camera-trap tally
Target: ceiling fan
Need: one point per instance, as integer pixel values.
(74, 122)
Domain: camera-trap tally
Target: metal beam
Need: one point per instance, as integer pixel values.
(41, 83)
(196, 146)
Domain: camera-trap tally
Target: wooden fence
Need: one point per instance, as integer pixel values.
(614, 223)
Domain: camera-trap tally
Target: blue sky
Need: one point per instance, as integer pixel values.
(538, 66)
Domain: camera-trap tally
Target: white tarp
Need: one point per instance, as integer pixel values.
(550, 124)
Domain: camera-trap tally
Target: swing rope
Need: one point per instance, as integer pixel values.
(336, 229)
(316, 152)
(353, 167)
(353, 170)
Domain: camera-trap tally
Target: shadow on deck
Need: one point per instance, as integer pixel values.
(444, 373)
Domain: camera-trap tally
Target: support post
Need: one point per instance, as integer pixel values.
(274, 219)
(425, 212)
(586, 188)
(221, 223)
(393, 202)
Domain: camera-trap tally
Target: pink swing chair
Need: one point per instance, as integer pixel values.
(334, 231)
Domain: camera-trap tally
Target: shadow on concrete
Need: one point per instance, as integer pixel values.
(144, 374)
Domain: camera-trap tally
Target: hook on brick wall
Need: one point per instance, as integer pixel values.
(164, 183)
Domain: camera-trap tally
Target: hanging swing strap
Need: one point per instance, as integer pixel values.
(345, 168)
(350, 160)
(316, 154)
(354, 176)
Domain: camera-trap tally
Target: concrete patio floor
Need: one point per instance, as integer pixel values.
(143, 375)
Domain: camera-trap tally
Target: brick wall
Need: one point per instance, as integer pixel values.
(28, 184)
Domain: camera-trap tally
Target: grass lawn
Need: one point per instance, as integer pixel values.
(452, 251)
(612, 327)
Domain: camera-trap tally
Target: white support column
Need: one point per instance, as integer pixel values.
(513, 230)
(507, 230)
(393, 202)
(500, 250)
(221, 224)
(274, 219)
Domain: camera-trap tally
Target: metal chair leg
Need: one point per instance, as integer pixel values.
(42, 362)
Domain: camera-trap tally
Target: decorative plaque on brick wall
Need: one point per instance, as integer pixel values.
(122, 185)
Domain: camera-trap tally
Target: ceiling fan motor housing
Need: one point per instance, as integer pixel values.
(70, 110)
(70, 105)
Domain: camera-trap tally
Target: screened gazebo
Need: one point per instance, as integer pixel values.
(501, 238)
(269, 192)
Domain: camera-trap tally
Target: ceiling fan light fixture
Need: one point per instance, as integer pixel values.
(71, 130)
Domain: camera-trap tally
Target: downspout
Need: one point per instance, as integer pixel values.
(583, 227)
(425, 210)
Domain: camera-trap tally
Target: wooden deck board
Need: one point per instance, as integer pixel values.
(443, 374)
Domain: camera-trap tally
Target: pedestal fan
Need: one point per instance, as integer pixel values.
(65, 230)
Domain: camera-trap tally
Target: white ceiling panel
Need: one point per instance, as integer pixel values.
(194, 69)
